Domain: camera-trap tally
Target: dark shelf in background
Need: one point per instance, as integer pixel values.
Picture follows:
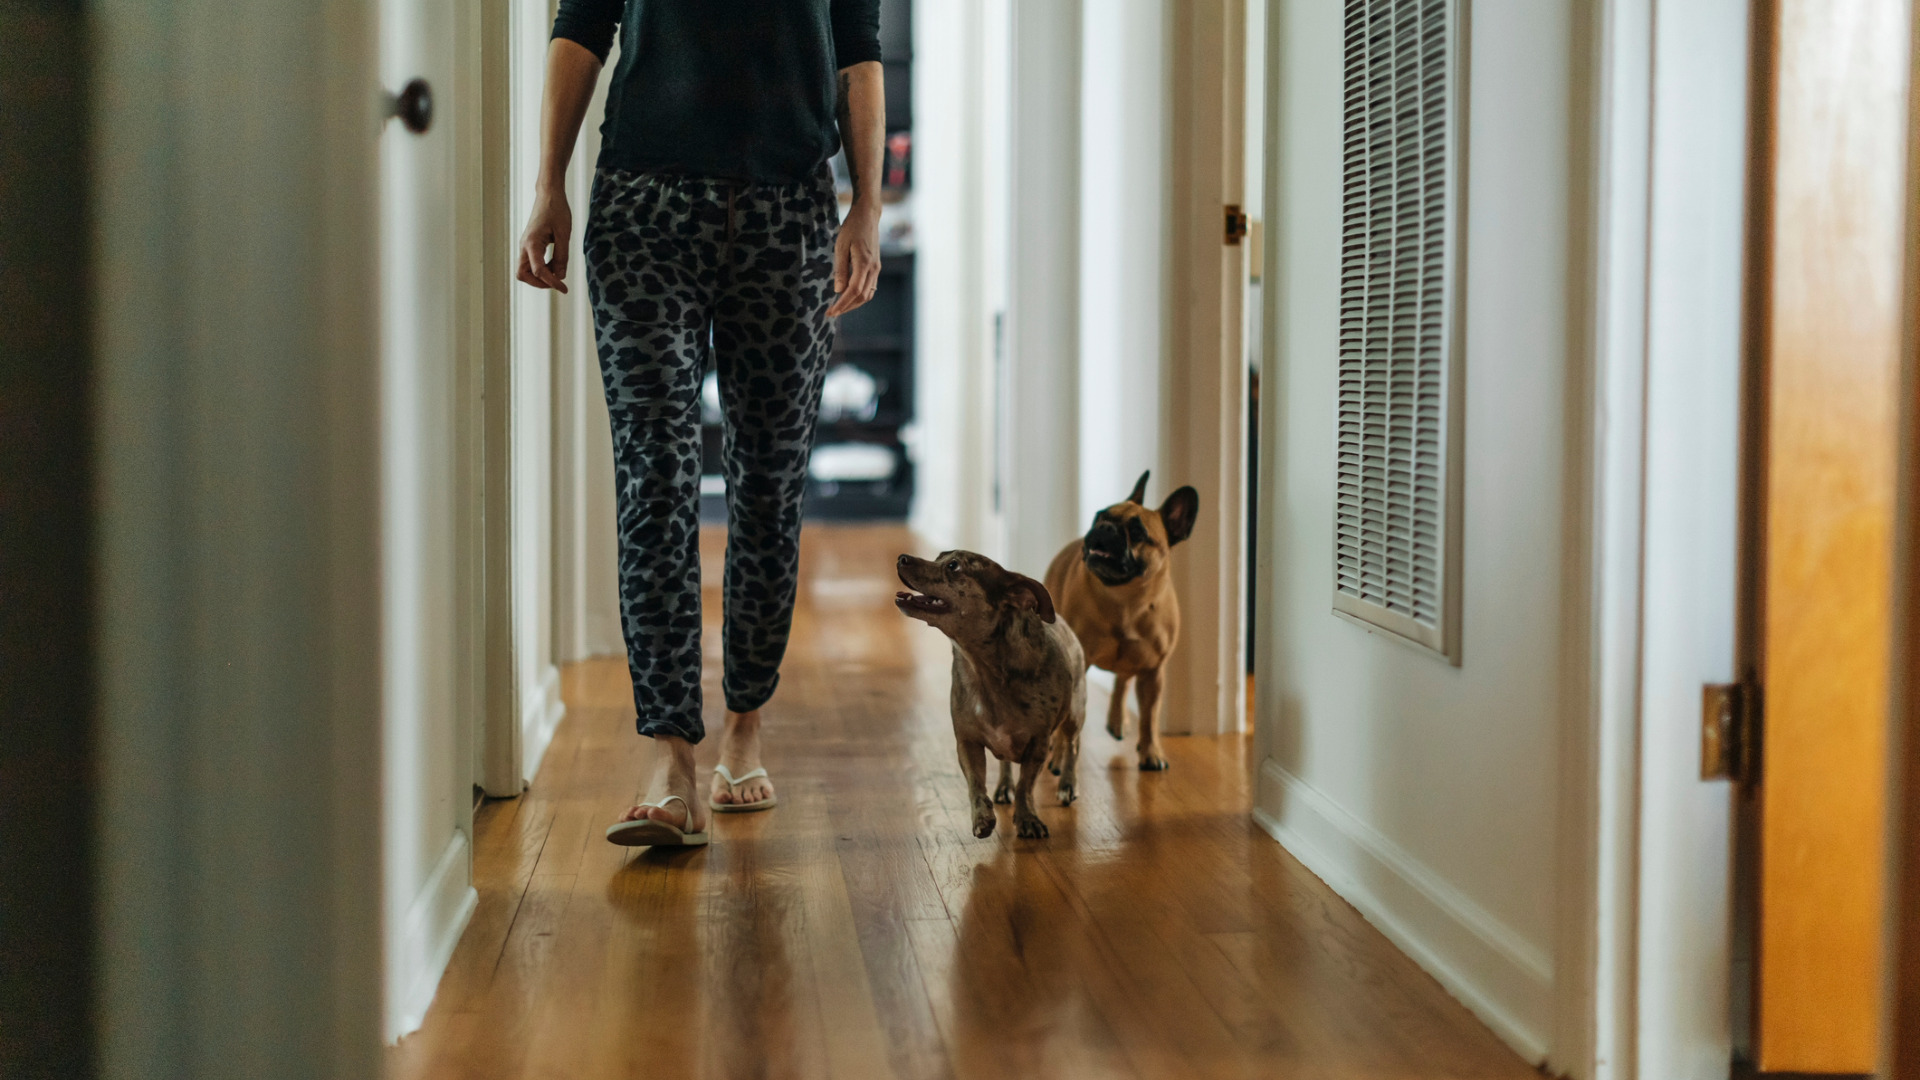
(877, 338)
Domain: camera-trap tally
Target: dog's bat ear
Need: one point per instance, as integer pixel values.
(1178, 514)
(1029, 595)
(1139, 495)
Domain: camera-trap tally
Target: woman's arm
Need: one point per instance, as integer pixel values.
(571, 71)
(862, 109)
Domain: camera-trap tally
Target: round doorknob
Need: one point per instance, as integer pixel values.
(413, 105)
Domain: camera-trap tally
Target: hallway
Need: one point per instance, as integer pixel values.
(859, 930)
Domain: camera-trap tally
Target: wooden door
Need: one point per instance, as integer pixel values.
(1828, 332)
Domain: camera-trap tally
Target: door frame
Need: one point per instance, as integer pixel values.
(1900, 1054)
(1204, 377)
(498, 766)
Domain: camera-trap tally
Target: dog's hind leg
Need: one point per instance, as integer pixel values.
(1003, 791)
(1151, 759)
(1117, 707)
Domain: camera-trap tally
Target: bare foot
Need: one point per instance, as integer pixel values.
(672, 775)
(740, 753)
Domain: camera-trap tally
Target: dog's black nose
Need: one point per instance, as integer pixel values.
(1107, 538)
(903, 560)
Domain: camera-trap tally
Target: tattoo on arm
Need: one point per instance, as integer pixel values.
(843, 112)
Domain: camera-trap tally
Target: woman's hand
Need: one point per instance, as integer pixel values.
(549, 226)
(856, 258)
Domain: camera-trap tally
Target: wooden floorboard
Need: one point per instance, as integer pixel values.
(860, 930)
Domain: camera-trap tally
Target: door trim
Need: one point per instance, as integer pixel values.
(1203, 381)
(499, 773)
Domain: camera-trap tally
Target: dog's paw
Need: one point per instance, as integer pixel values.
(1117, 729)
(1066, 792)
(1003, 796)
(1151, 760)
(983, 825)
(1031, 827)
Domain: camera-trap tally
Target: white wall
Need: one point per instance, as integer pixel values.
(1122, 256)
(960, 191)
(234, 259)
(1428, 794)
(1039, 394)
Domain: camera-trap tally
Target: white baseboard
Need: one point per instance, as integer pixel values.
(540, 715)
(1504, 979)
(418, 953)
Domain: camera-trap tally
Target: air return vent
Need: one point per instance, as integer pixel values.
(1396, 524)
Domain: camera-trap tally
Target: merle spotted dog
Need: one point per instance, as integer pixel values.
(677, 266)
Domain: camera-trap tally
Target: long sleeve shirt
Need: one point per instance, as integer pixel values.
(734, 89)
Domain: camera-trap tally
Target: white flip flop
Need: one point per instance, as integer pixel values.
(647, 832)
(733, 782)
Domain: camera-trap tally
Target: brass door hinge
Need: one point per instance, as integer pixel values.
(1729, 731)
(1236, 224)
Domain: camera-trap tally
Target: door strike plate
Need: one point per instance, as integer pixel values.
(1728, 730)
(1236, 224)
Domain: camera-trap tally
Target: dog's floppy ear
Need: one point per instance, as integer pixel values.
(1178, 514)
(1029, 595)
(1140, 489)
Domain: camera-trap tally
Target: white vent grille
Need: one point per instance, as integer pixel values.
(1395, 519)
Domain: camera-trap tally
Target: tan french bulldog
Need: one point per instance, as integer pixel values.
(1019, 677)
(1113, 587)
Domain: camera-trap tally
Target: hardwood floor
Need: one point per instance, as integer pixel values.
(859, 930)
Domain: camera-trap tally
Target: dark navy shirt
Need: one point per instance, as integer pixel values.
(735, 89)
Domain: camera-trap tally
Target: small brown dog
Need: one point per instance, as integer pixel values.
(1114, 589)
(1019, 677)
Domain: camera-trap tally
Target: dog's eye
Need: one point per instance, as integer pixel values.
(1136, 532)
(953, 567)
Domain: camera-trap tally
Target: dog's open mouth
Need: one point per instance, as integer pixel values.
(913, 601)
(1109, 567)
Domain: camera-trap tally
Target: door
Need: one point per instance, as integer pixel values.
(425, 558)
(1828, 330)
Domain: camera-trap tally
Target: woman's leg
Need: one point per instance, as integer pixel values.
(772, 341)
(650, 299)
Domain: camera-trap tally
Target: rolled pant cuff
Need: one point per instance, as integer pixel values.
(692, 732)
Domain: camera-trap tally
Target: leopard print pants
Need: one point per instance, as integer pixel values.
(677, 267)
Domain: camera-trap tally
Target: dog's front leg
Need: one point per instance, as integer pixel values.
(1003, 791)
(1024, 818)
(1064, 759)
(1151, 759)
(973, 763)
(1117, 708)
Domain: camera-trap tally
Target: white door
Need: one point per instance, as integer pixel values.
(428, 771)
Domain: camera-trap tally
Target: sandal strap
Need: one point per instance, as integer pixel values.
(662, 805)
(735, 781)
